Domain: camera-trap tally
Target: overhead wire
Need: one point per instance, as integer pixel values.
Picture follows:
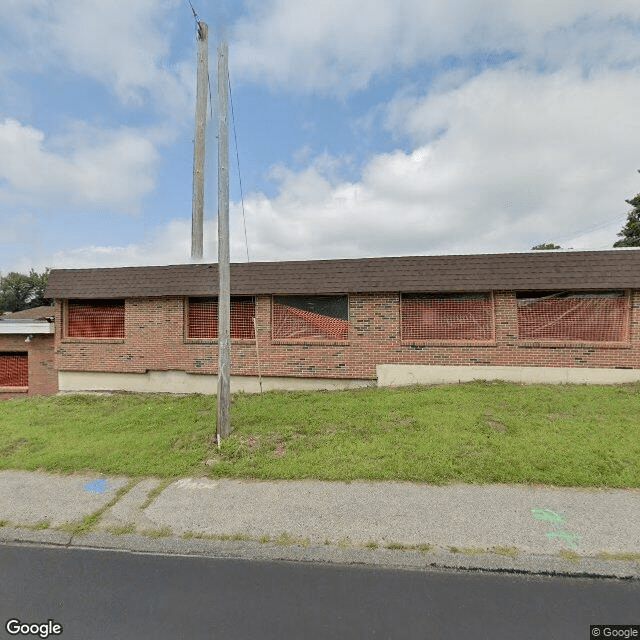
(235, 137)
(596, 227)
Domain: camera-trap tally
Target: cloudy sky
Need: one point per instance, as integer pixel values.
(365, 128)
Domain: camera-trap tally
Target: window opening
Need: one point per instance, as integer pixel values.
(447, 317)
(571, 316)
(310, 317)
(202, 318)
(95, 319)
(14, 369)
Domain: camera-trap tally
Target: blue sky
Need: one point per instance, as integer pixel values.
(378, 128)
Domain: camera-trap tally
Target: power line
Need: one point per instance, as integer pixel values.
(195, 15)
(235, 137)
(199, 28)
(582, 232)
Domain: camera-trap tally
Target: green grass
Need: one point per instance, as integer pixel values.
(628, 557)
(571, 556)
(565, 435)
(122, 530)
(287, 540)
(239, 537)
(399, 546)
(163, 532)
(38, 526)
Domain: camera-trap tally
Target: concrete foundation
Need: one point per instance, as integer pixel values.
(181, 382)
(395, 375)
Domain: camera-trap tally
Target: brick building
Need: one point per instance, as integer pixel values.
(26, 353)
(538, 316)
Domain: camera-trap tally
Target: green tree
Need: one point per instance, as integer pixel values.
(19, 291)
(630, 233)
(545, 246)
(39, 284)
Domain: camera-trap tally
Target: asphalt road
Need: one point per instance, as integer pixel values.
(108, 594)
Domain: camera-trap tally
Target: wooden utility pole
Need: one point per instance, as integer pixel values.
(224, 268)
(199, 141)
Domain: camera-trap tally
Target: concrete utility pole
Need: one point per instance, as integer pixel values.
(197, 210)
(224, 269)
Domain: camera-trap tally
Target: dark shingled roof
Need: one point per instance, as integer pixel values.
(536, 270)
(36, 313)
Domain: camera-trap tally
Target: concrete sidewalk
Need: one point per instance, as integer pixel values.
(490, 527)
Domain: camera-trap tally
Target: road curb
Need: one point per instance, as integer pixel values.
(328, 554)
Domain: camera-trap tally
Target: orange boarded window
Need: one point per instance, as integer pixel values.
(571, 316)
(202, 320)
(447, 317)
(14, 369)
(95, 319)
(310, 318)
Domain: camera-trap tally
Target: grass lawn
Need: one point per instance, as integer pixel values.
(481, 432)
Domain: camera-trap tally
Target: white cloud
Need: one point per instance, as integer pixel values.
(520, 158)
(541, 148)
(338, 46)
(17, 227)
(123, 44)
(112, 168)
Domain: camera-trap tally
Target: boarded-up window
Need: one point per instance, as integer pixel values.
(95, 319)
(571, 316)
(14, 369)
(447, 317)
(310, 318)
(202, 320)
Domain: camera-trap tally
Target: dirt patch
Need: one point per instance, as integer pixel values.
(182, 444)
(13, 447)
(280, 450)
(495, 424)
(468, 451)
(552, 417)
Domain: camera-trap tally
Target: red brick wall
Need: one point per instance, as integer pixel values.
(155, 341)
(43, 378)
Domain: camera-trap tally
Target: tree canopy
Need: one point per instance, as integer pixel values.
(545, 246)
(630, 234)
(19, 291)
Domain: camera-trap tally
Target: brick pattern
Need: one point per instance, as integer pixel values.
(155, 341)
(42, 375)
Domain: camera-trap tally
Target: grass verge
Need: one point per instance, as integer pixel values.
(481, 432)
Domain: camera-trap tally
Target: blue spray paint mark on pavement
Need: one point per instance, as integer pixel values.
(97, 486)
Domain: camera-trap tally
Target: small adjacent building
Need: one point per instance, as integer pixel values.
(27, 353)
(323, 324)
